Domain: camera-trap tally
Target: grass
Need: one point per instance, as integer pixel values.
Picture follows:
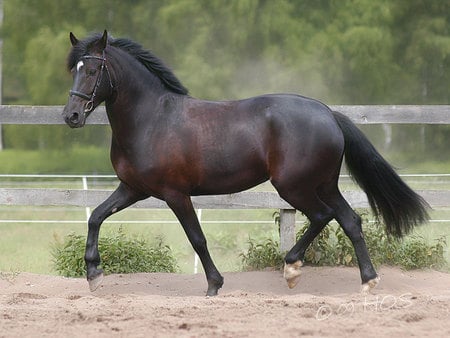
(75, 160)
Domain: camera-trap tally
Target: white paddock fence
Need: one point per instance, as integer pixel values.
(87, 198)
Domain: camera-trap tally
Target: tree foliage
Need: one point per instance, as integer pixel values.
(339, 51)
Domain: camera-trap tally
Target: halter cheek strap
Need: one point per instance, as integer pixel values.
(90, 98)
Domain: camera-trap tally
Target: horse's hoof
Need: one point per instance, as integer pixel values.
(213, 287)
(95, 282)
(366, 288)
(292, 273)
(212, 292)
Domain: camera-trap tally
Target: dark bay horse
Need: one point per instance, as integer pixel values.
(171, 146)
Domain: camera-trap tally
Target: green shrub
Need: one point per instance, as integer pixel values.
(119, 253)
(413, 252)
(383, 249)
(318, 252)
(332, 247)
(416, 253)
(262, 255)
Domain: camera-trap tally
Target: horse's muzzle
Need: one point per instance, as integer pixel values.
(74, 119)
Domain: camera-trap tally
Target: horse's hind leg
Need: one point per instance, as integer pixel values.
(295, 257)
(351, 224)
(321, 210)
(318, 213)
(181, 205)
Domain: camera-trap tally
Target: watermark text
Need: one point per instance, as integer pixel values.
(372, 304)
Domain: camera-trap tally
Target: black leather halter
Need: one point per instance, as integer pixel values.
(90, 97)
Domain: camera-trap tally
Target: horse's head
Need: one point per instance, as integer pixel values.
(91, 79)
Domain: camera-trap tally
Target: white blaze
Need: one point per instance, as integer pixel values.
(79, 65)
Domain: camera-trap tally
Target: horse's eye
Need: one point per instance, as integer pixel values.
(92, 71)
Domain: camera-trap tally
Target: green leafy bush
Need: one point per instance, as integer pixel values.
(416, 254)
(262, 255)
(317, 251)
(413, 252)
(119, 253)
(332, 247)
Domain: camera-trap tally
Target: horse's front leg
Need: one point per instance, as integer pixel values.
(121, 198)
(182, 206)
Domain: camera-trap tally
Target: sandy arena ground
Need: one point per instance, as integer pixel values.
(326, 302)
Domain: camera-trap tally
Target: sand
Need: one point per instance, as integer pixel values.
(327, 302)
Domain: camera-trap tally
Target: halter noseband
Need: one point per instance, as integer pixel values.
(90, 98)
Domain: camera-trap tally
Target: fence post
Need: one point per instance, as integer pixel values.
(85, 187)
(287, 229)
(196, 258)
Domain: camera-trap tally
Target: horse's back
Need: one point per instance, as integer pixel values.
(296, 119)
(290, 107)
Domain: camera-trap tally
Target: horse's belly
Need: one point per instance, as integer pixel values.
(224, 182)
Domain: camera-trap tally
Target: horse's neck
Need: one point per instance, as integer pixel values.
(138, 94)
(128, 115)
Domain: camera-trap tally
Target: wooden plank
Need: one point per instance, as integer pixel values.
(396, 114)
(360, 114)
(44, 115)
(287, 229)
(436, 198)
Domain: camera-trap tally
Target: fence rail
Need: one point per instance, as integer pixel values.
(370, 114)
(361, 114)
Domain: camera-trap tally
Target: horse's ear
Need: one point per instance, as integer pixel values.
(73, 40)
(104, 39)
(100, 44)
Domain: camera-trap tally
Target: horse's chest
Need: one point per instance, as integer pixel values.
(143, 173)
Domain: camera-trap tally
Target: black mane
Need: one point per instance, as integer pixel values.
(145, 57)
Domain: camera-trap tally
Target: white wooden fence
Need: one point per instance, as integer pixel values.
(436, 114)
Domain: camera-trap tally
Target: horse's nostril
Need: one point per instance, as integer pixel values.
(74, 118)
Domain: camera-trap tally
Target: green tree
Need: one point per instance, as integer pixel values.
(339, 51)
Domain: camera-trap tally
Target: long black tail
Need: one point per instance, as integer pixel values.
(389, 197)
